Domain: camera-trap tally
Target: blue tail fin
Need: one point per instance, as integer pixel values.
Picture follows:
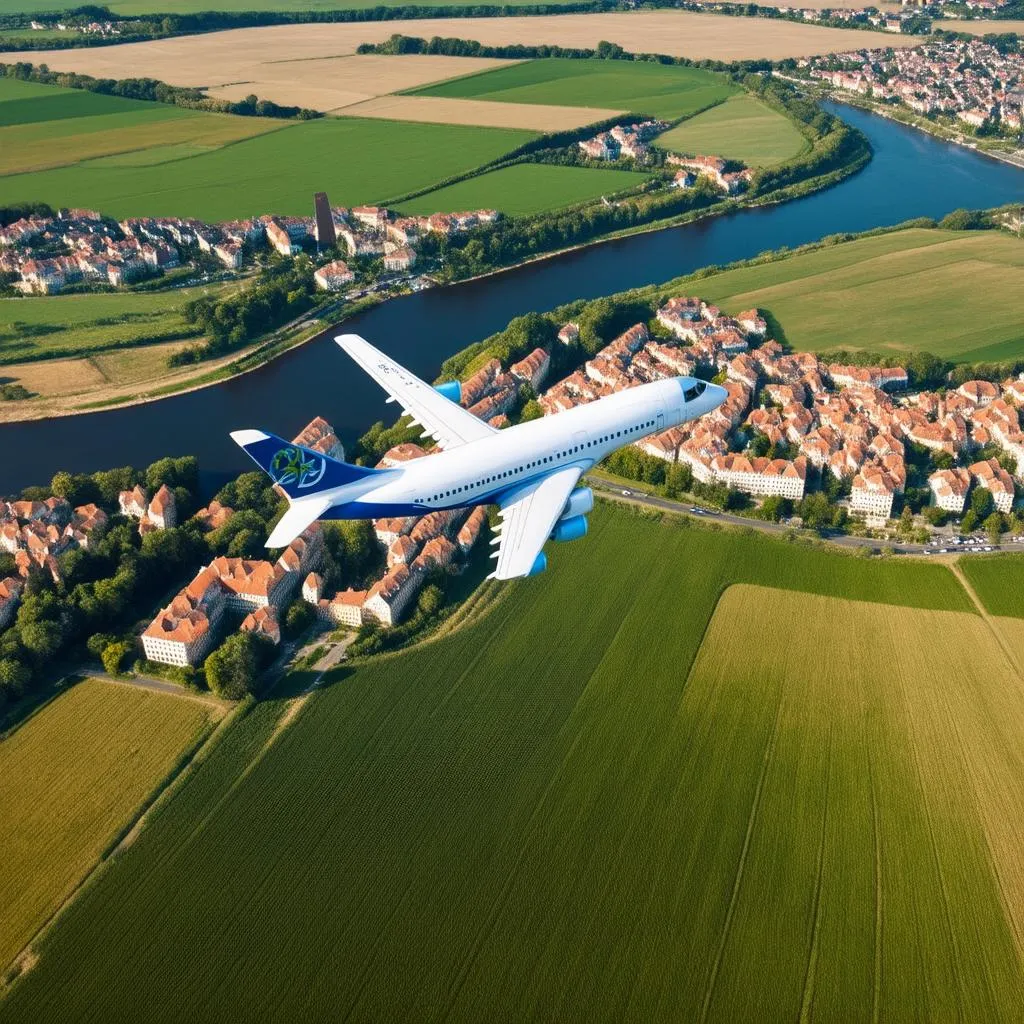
(298, 471)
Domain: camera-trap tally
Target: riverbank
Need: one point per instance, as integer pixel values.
(102, 395)
(912, 175)
(909, 120)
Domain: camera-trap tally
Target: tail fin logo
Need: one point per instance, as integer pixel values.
(292, 465)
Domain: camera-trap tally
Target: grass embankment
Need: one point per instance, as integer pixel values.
(125, 158)
(902, 291)
(657, 90)
(741, 128)
(70, 779)
(555, 812)
(525, 189)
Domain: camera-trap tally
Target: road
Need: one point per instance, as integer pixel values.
(614, 492)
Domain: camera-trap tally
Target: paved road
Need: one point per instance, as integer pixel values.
(614, 492)
(155, 684)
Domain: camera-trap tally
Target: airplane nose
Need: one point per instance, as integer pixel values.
(716, 395)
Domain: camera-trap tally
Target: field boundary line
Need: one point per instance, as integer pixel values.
(876, 985)
(812, 960)
(925, 805)
(738, 878)
(987, 618)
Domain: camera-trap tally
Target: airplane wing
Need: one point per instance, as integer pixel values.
(528, 515)
(445, 421)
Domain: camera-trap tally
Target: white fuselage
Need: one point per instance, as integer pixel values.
(475, 473)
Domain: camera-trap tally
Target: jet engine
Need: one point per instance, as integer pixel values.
(452, 390)
(580, 502)
(540, 563)
(570, 529)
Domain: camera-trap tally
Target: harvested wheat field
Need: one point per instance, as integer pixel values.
(294, 55)
(442, 110)
(980, 28)
(329, 83)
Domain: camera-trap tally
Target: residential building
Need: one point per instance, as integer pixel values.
(949, 489)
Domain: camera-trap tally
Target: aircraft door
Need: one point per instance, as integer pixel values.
(579, 439)
(660, 423)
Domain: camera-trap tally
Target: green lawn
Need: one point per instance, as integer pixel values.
(640, 87)
(998, 582)
(525, 189)
(741, 128)
(956, 294)
(35, 327)
(355, 160)
(570, 810)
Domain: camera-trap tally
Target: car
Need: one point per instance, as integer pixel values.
(942, 551)
(987, 547)
(926, 552)
(628, 493)
(696, 510)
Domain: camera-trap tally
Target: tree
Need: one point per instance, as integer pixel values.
(430, 600)
(14, 677)
(994, 527)
(532, 410)
(906, 524)
(298, 618)
(114, 655)
(935, 515)
(232, 669)
(981, 502)
(77, 488)
(969, 523)
(678, 479)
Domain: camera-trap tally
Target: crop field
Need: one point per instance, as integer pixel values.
(355, 160)
(655, 89)
(741, 128)
(243, 55)
(558, 813)
(71, 777)
(441, 110)
(36, 327)
(998, 582)
(881, 293)
(44, 126)
(525, 189)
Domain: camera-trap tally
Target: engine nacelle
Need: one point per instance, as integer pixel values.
(540, 563)
(570, 529)
(580, 502)
(452, 390)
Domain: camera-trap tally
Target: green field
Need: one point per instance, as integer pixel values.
(998, 582)
(70, 779)
(525, 189)
(572, 810)
(888, 293)
(741, 128)
(35, 326)
(355, 160)
(45, 126)
(642, 88)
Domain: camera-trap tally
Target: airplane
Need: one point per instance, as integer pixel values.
(529, 470)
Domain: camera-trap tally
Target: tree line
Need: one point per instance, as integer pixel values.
(153, 90)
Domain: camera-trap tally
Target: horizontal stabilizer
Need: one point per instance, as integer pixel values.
(300, 515)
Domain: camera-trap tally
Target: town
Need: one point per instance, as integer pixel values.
(46, 255)
(971, 82)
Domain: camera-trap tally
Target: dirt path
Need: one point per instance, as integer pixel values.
(990, 620)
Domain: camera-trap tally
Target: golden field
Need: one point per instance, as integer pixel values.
(304, 63)
(71, 778)
(487, 113)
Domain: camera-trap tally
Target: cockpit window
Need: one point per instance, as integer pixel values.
(695, 390)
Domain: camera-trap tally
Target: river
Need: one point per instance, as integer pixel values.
(911, 175)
